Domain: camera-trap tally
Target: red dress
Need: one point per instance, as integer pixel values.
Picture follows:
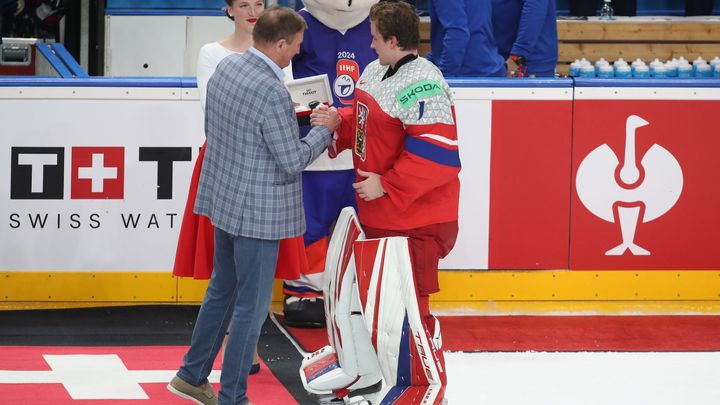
(194, 255)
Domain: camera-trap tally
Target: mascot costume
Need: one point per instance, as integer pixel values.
(336, 43)
(378, 342)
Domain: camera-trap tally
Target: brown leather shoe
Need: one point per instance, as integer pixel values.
(202, 395)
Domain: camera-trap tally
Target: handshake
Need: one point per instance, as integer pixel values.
(326, 116)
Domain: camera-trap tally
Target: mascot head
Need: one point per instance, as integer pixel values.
(339, 14)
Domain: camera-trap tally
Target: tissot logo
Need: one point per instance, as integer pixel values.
(97, 172)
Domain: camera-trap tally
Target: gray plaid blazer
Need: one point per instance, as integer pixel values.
(250, 182)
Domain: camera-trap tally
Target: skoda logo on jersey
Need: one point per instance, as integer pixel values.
(344, 86)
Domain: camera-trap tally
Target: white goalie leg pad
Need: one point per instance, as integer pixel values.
(349, 362)
(406, 353)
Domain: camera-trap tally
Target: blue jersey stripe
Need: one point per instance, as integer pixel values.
(432, 152)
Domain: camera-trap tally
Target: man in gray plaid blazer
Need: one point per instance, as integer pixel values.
(250, 188)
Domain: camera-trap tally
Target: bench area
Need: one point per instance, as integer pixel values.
(629, 38)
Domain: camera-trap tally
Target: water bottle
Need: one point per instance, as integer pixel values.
(599, 63)
(697, 62)
(659, 71)
(617, 64)
(605, 72)
(641, 72)
(637, 62)
(672, 68)
(714, 62)
(623, 71)
(587, 71)
(682, 59)
(703, 71)
(685, 71)
(607, 13)
(716, 71)
(575, 67)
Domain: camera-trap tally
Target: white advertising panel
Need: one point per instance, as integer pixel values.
(100, 183)
(95, 184)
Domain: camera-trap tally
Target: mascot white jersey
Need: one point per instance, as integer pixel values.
(337, 43)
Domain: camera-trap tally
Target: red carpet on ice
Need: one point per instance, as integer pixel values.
(127, 355)
(108, 375)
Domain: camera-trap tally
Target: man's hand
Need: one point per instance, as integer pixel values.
(326, 116)
(370, 188)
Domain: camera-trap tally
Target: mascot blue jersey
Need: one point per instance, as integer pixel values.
(342, 57)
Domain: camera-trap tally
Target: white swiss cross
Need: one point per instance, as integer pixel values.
(94, 376)
(98, 172)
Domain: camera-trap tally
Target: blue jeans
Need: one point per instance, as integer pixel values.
(240, 289)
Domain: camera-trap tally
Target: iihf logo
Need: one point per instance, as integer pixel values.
(631, 193)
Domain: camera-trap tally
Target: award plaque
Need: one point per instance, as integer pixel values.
(309, 91)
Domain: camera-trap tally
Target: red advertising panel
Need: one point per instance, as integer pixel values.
(646, 185)
(529, 177)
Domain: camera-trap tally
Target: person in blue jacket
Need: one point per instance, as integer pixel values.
(526, 35)
(461, 38)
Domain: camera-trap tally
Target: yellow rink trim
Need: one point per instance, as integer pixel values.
(456, 286)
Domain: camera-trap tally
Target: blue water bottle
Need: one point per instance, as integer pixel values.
(623, 72)
(703, 71)
(587, 71)
(601, 62)
(660, 72)
(641, 72)
(714, 63)
(685, 71)
(637, 62)
(605, 72)
(574, 70)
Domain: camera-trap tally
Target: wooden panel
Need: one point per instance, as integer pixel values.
(581, 31)
(424, 47)
(424, 31)
(629, 52)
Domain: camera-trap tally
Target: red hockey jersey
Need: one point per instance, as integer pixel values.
(404, 129)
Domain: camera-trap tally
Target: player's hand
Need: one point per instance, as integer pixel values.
(371, 188)
(326, 116)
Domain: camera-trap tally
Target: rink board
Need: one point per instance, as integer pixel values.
(521, 143)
